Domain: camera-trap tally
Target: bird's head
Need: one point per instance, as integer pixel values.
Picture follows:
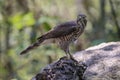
(81, 19)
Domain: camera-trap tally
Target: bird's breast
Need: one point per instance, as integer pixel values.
(77, 33)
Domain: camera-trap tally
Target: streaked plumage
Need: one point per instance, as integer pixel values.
(63, 34)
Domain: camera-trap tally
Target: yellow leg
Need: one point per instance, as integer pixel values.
(69, 56)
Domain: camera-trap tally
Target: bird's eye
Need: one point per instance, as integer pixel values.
(81, 16)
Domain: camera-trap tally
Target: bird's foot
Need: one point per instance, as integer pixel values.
(71, 57)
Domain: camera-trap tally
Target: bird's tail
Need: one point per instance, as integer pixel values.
(34, 45)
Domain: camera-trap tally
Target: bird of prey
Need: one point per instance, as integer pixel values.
(63, 34)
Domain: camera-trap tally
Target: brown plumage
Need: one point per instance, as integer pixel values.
(63, 34)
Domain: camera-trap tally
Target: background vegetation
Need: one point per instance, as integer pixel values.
(22, 21)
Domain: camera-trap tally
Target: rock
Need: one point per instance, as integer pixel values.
(63, 69)
(103, 61)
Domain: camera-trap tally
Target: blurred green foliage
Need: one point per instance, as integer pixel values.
(22, 21)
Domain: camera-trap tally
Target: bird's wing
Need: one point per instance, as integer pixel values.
(61, 30)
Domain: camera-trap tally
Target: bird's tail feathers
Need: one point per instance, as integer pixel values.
(34, 45)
